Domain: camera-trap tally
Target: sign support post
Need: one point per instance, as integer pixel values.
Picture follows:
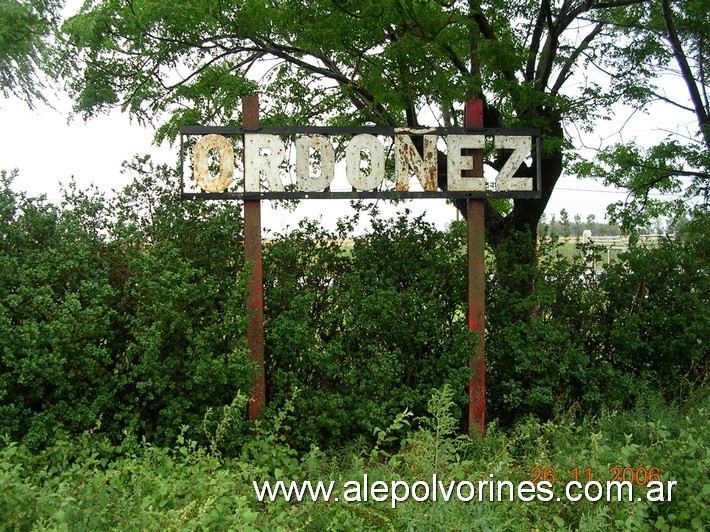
(255, 283)
(476, 246)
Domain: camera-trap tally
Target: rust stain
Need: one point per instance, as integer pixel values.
(424, 167)
(430, 163)
(414, 130)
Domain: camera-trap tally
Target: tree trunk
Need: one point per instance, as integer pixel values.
(513, 237)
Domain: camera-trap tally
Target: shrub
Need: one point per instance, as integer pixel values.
(92, 483)
(130, 310)
(364, 329)
(598, 339)
(657, 320)
(127, 309)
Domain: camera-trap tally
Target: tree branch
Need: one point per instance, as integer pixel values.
(570, 61)
(682, 60)
(485, 28)
(368, 99)
(618, 3)
(535, 41)
(671, 102)
(456, 60)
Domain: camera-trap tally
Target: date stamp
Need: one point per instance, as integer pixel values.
(580, 483)
(640, 476)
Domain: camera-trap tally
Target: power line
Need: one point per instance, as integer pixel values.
(616, 192)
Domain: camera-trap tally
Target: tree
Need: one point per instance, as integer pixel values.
(577, 226)
(677, 32)
(564, 220)
(27, 31)
(358, 62)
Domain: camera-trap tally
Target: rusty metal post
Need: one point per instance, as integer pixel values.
(475, 224)
(255, 284)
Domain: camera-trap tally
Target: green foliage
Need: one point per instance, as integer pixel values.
(661, 327)
(106, 487)
(26, 31)
(340, 326)
(92, 483)
(383, 62)
(364, 330)
(128, 309)
(668, 37)
(131, 310)
(669, 168)
(597, 339)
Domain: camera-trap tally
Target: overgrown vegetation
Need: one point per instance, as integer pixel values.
(122, 350)
(92, 484)
(127, 310)
(131, 310)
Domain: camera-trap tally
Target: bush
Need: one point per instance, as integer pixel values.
(131, 310)
(657, 320)
(91, 483)
(598, 340)
(128, 310)
(364, 329)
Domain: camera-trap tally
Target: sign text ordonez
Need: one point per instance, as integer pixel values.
(313, 159)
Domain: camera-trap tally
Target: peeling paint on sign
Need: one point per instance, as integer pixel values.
(407, 157)
(360, 178)
(263, 154)
(415, 155)
(201, 161)
(320, 144)
(458, 163)
(521, 147)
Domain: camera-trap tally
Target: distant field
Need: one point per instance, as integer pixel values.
(611, 246)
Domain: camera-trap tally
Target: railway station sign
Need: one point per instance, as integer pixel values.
(376, 162)
(253, 163)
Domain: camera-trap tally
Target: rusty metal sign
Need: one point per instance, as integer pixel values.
(376, 162)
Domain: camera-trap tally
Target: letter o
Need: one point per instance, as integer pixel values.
(356, 146)
(471, 491)
(414, 491)
(201, 162)
(599, 494)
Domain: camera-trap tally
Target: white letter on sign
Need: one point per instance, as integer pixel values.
(353, 152)
(257, 163)
(521, 147)
(201, 162)
(458, 163)
(304, 181)
(406, 156)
